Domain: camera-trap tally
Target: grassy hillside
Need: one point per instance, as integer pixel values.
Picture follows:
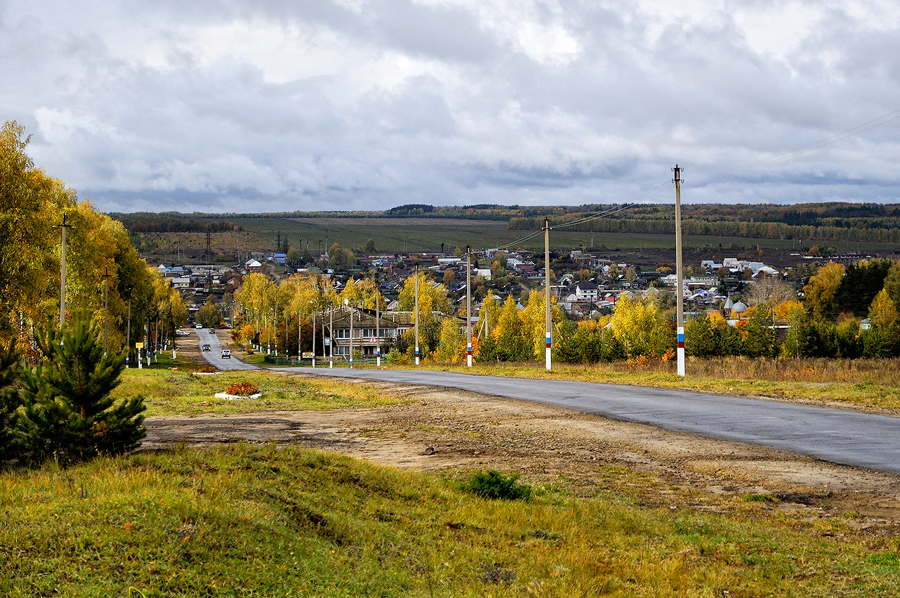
(269, 521)
(247, 520)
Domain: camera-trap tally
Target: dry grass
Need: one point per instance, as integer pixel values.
(864, 384)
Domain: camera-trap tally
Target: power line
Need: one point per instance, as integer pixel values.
(846, 134)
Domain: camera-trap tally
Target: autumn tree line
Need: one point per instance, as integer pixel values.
(97, 249)
(55, 381)
(845, 312)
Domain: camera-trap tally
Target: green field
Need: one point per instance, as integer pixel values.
(426, 234)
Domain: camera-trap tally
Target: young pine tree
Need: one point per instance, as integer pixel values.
(10, 399)
(68, 411)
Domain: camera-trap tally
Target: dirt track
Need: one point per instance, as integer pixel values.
(440, 429)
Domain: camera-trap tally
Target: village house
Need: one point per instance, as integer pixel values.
(389, 325)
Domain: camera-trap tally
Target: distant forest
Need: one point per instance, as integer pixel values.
(819, 222)
(172, 222)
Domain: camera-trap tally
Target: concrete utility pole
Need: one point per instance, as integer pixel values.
(679, 271)
(106, 276)
(347, 303)
(62, 274)
(377, 327)
(128, 337)
(547, 311)
(468, 306)
(416, 312)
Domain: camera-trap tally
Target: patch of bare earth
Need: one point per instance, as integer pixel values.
(440, 429)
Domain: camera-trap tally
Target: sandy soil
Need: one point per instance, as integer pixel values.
(440, 429)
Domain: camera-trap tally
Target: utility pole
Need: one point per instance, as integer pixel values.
(62, 277)
(347, 303)
(547, 311)
(106, 276)
(468, 306)
(377, 326)
(128, 336)
(679, 272)
(417, 312)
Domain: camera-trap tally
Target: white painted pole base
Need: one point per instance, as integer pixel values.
(468, 361)
(680, 351)
(330, 362)
(314, 362)
(378, 361)
(548, 359)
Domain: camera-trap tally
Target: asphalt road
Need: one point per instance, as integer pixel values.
(214, 355)
(833, 435)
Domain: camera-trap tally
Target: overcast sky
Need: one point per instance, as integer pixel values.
(264, 105)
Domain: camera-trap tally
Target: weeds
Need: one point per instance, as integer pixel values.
(493, 484)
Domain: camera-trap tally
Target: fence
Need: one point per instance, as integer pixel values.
(339, 361)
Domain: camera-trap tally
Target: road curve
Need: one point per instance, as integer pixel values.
(833, 435)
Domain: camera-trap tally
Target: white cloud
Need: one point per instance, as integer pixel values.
(354, 103)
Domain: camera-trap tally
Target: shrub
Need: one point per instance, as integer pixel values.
(241, 389)
(493, 484)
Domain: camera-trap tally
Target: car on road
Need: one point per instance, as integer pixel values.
(180, 332)
(207, 348)
(226, 353)
(198, 326)
(212, 331)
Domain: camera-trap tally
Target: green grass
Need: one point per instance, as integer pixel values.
(180, 392)
(267, 521)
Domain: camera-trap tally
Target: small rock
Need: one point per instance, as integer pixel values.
(429, 450)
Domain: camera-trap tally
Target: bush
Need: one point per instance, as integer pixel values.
(493, 484)
(241, 389)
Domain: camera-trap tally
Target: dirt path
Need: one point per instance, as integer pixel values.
(440, 429)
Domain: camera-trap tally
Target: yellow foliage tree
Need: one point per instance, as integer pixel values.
(641, 327)
(818, 294)
(882, 312)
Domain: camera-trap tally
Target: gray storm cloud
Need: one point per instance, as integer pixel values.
(278, 105)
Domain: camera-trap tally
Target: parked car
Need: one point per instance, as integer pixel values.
(226, 353)
(207, 348)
